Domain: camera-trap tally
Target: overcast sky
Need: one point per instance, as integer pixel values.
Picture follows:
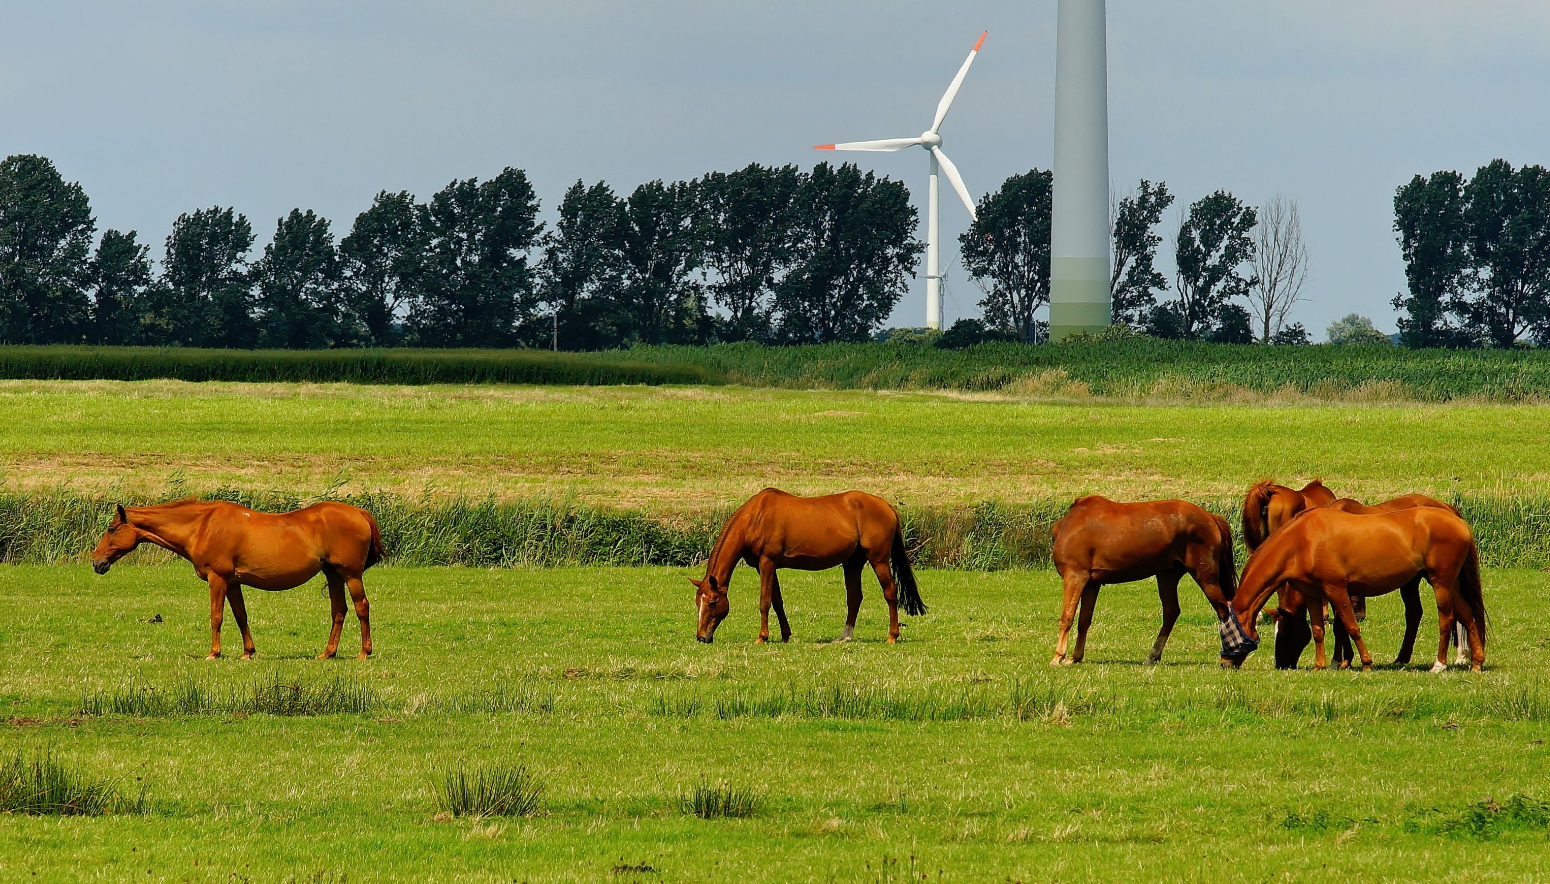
(161, 107)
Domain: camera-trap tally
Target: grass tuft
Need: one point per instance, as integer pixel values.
(495, 790)
(1487, 820)
(710, 802)
(274, 695)
(44, 786)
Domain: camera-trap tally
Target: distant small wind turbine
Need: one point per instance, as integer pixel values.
(931, 141)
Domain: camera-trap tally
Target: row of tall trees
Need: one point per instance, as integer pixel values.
(1238, 270)
(772, 254)
(1477, 257)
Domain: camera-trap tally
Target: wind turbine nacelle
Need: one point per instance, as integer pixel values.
(929, 139)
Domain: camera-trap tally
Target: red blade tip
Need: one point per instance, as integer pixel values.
(981, 41)
(824, 147)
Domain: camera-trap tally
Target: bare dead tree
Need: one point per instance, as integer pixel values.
(1280, 265)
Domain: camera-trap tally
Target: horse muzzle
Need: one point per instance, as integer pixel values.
(704, 640)
(101, 567)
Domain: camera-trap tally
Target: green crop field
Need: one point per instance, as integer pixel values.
(676, 449)
(959, 754)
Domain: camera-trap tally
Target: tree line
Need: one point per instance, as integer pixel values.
(770, 254)
(1477, 257)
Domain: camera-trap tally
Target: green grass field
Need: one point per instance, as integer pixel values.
(959, 753)
(670, 449)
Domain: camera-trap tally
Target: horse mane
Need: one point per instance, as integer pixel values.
(1254, 512)
(721, 538)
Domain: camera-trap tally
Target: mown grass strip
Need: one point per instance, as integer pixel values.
(50, 528)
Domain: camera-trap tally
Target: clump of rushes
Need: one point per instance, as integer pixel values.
(722, 800)
(492, 790)
(43, 786)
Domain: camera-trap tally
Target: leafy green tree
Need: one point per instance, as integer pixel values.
(379, 263)
(46, 231)
(1294, 335)
(661, 247)
(206, 296)
(120, 275)
(1213, 245)
(1507, 214)
(1007, 250)
(1433, 234)
(1355, 330)
(582, 271)
(748, 218)
(474, 286)
(298, 284)
(856, 252)
(1135, 280)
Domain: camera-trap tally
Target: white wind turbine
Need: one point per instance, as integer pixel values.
(931, 141)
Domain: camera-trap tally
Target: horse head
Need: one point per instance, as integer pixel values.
(118, 541)
(711, 601)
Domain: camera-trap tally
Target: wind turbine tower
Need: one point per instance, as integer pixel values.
(932, 142)
(1079, 242)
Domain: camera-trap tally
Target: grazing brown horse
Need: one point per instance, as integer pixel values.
(1099, 542)
(776, 530)
(1332, 555)
(232, 546)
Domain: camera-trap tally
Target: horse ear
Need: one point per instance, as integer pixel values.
(696, 583)
(123, 517)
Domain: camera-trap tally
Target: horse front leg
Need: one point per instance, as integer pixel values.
(766, 597)
(1340, 600)
(239, 610)
(217, 611)
(1316, 615)
(1089, 604)
(1072, 586)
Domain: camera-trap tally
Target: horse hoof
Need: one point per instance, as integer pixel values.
(1475, 667)
(362, 655)
(842, 640)
(248, 655)
(1439, 666)
(1057, 660)
(761, 640)
(213, 656)
(1153, 661)
(1366, 667)
(1070, 661)
(326, 655)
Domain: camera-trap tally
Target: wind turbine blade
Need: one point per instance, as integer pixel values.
(952, 91)
(956, 180)
(887, 144)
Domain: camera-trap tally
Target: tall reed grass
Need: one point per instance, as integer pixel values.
(42, 785)
(398, 366)
(63, 526)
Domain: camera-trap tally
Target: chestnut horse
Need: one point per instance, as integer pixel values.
(776, 530)
(1332, 555)
(1099, 542)
(232, 546)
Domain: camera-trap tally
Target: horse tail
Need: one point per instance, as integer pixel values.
(1469, 586)
(1254, 503)
(376, 552)
(909, 592)
(1226, 559)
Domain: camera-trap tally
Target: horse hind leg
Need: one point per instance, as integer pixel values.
(780, 608)
(336, 592)
(362, 611)
(852, 595)
(1168, 594)
(885, 579)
